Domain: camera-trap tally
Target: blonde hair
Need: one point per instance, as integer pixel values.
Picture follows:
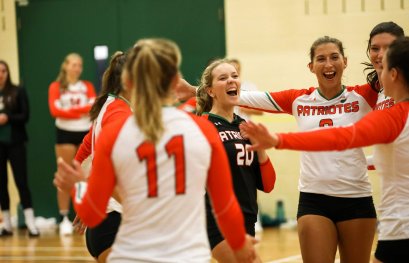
(151, 65)
(62, 75)
(204, 101)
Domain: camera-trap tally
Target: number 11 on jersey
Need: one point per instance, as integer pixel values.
(174, 147)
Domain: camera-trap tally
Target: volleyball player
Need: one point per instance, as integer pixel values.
(160, 159)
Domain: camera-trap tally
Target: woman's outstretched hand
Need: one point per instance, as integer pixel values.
(67, 175)
(260, 138)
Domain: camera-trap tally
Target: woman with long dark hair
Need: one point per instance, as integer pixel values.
(14, 114)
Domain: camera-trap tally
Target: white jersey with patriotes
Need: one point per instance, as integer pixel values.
(340, 174)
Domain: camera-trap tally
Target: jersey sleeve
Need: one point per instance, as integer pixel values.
(189, 105)
(226, 208)
(90, 91)
(377, 127)
(274, 102)
(53, 104)
(114, 112)
(367, 92)
(118, 110)
(268, 177)
(86, 147)
(91, 204)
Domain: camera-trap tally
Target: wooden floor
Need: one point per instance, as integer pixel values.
(276, 246)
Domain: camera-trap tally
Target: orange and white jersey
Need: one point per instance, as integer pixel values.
(162, 187)
(383, 102)
(114, 108)
(71, 107)
(388, 130)
(341, 174)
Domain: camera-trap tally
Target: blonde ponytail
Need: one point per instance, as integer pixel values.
(151, 67)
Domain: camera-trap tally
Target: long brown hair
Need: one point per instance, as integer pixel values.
(204, 101)
(9, 89)
(151, 66)
(111, 82)
(385, 27)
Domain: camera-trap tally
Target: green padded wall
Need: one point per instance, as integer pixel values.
(50, 29)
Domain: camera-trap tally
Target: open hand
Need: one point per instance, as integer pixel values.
(184, 90)
(247, 254)
(78, 225)
(260, 138)
(67, 175)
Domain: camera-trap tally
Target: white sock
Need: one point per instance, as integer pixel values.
(64, 213)
(6, 220)
(30, 219)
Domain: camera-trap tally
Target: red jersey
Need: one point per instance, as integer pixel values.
(70, 107)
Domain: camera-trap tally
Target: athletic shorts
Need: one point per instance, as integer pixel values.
(101, 237)
(215, 236)
(391, 251)
(335, 208)
(70, 137)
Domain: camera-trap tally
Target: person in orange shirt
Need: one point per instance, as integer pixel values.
(69, 100)
(111, 105)
(160, 159)
(388, 130)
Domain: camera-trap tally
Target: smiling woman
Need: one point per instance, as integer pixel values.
(217, 95)
(388, 131)
(69, 100)
(328, 179)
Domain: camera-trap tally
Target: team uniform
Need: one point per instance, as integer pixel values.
(162, 189)
(326, 174)
(70, 107)
(102, 236)
(383, 102)
(247, 173)
(388, 130)
(189, 105)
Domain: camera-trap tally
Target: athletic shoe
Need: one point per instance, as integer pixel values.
(5, 233)
(33, 232)
(66, 227)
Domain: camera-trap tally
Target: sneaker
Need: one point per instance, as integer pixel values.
(33, 232)
(66, 227)
(5, 233)
(257, 227)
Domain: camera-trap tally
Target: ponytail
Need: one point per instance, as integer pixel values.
(111, 82)
(152, 66)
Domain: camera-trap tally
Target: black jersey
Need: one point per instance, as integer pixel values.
(244, 165)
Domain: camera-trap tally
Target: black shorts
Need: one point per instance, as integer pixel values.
(335, 208)
(215, 236)
(391, 251)
(70, 137)
(101, 237)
